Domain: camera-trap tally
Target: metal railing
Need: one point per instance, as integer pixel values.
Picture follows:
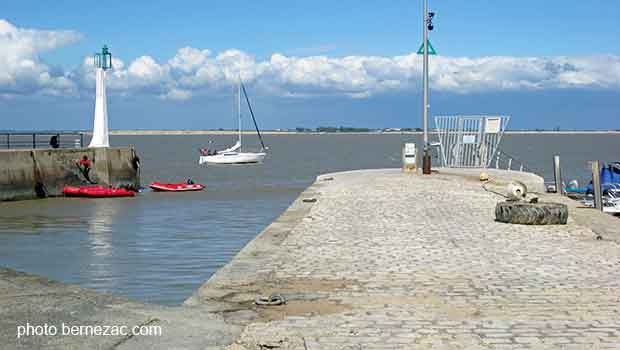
(23, 140)
(506, 161)
(469, 141)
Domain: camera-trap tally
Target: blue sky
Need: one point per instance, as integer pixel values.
(310, 63)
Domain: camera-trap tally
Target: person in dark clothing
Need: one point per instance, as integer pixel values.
(54, 141)
(190, 181)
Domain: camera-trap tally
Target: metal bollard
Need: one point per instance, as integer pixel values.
(596, 185)
(558, 175)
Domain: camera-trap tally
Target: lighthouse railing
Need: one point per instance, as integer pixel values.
(41, 140)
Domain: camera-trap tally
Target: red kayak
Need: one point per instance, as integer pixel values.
(96, 191)
(180, 187)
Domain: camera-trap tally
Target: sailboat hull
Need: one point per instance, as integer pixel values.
(233, 158)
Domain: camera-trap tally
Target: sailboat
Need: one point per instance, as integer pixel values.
(234, 154)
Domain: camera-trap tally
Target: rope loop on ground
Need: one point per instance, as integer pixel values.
(273, 299)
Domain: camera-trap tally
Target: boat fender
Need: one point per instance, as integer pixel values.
(516, 191)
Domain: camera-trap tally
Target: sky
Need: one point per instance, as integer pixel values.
(314, 63)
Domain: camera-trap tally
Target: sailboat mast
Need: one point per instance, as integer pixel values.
(239, 108)
(260, 137)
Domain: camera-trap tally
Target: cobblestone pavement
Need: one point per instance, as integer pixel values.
(420, 263)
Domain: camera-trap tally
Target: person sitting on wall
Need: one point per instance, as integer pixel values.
(85, 165)
(54, 143)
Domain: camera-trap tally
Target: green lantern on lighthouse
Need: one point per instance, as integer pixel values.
(103, 59)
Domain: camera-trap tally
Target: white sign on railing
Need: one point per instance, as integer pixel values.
(493, 125)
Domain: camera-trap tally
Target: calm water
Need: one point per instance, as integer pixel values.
(160, 247)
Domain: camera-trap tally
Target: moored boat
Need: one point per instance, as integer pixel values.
(75, 191)
(178, 187)
(96, 191)
(234, 154)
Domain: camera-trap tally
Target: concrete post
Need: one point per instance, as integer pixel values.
(596, 185)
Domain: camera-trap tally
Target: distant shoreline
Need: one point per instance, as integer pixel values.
(275, 133)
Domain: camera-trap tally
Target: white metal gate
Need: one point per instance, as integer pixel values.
(469, 141)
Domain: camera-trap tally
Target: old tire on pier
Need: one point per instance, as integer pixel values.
(531, 213)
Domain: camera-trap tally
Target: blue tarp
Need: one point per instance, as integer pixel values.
(610, 175)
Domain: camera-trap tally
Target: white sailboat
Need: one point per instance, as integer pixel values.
(234, 154)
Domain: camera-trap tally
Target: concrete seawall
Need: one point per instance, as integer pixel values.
(35, 173)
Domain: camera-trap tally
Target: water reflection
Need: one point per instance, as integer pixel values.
(100, 223)
(102, 272)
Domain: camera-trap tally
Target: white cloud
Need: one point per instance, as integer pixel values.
(196, 72)
(177, 94)
(193, 72)
(189, 59)
(21, 71)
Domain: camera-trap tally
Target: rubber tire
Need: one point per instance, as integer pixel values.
(531, 213)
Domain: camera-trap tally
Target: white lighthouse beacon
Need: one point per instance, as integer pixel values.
(103, 62)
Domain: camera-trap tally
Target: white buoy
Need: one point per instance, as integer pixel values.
(517, 190)
(103, 62)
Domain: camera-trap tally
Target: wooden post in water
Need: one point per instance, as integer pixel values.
(557, 173)
(596, 185)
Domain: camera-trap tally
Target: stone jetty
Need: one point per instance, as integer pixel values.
(387, 260)
(375, 259)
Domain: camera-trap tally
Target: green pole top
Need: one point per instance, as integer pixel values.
(103, 59)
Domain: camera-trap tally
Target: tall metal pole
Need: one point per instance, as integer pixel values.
(426, 160)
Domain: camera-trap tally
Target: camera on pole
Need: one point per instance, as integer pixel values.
(429, 21)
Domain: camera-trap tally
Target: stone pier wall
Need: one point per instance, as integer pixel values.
(35, 173)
